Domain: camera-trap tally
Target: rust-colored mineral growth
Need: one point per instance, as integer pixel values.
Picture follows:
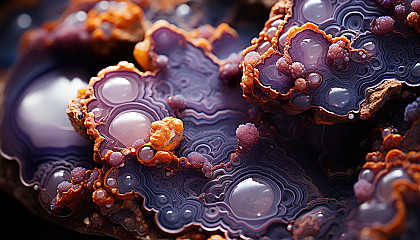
(166, 133)
(390, 179)
(413, 20)
(116, 22)
(75, 114)
(216, 237)
(375, 97)
(104, 27)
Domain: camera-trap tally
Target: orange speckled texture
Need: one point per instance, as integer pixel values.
(166, 133)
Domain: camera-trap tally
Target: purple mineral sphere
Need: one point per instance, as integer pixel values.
(247, 135)
(116, 158)
(382, 25)
(78, 174)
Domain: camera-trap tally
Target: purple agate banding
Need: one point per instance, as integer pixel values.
(34, 130)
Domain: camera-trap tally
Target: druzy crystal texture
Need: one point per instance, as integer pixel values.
(166, 122)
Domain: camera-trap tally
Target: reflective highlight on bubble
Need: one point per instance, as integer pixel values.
(251, 198)
(119, 90)
(129, 126)
(315, 10)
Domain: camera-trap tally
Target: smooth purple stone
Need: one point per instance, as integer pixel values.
(363, 190)
(40, 111)
(252, 198)
(129, 126)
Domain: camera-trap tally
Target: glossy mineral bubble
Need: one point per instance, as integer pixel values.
(251, 198)
(129, 126)
(210, 113)
(118, 90)
(263, 186)
(316, 10)
(146, 153)
(38, 117)
(34, 130)
(384, 188)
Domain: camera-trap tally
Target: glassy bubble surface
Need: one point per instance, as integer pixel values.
(315, 10)
(369, 46)
(252, 198)
(172, 216)
(312, 50)
(146, 153)
(385, 184)
(338, 97)
(129, 180)
(314, 78)
(119, 90)
(41, 111)
(416, 70)
(129, 126)
(302, 100)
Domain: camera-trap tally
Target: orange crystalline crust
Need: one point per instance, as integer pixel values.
(166, 134)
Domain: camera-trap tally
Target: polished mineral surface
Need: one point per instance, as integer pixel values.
(177, 127)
